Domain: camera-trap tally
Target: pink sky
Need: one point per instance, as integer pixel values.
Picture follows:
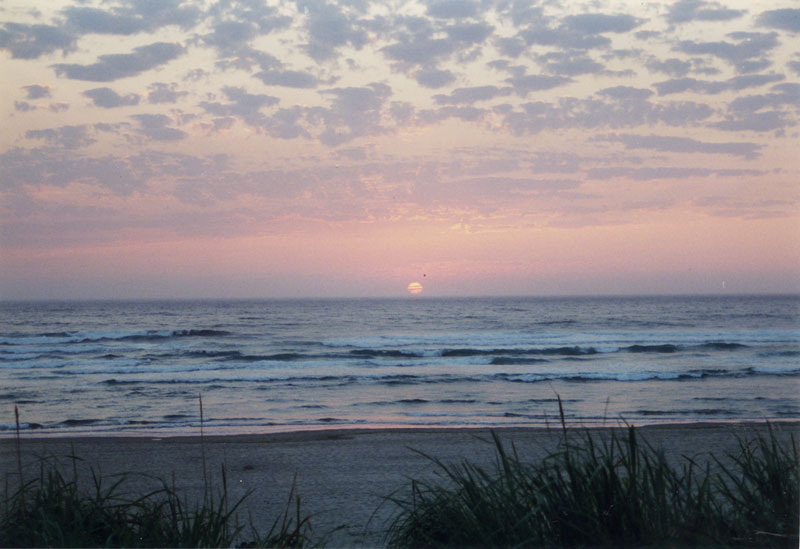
(311, 148)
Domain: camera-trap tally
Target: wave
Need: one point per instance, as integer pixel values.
(693, 412)
(779, 354)
(156, 335)
(564, 351)
(383, 357)
(511, 355)
(674, 348)
(722, 346)
(393, 379)
(376, 353)
(79, 422)
(509, 360)
(79, 337)
(665, 348)
(27, 426)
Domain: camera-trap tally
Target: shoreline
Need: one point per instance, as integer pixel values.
(323, 430)
(342, 475)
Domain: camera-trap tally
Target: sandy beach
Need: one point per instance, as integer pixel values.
(342, 476)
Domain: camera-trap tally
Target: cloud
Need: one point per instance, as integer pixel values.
(468, 33)
(467, 114)
(234, 25)
(525, 84)
(680, 85)
(685, 11)
(736, 83)
(132, 18)
(329, 28)
(618, 107)
(507, 67)
(764, 112)
(755, 122)
(569, 63)
(289, 79)
(231, 39)
(673, 66)
(111, 67)
(354, 112)
(287, 124)
(626, 93)
(723, 206)
(35, 91)
(23, 106)
(155, 127)
(752, 65)
(196, 75)
(785, 19)
(487, 193)
(68, 137)
(664, 172)
(794, 66)
(434, 78)
(511, 46)
(471, 95)
(646, 34)
(520, 185)
(419, 42)
(95, 20)
(159, 92)
(119, 174)
(243, 105)
(741, 54)
(419, 50)
(562, 37)
(227, 36)
(109, 99)
(753, 80)
(265, 17)
(599, 23)
(572, 34)
(452, 9)
(663, 143)
(33, 41)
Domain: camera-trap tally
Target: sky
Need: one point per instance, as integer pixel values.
(311, 148)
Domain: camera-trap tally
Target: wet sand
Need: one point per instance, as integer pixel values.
(342, 476)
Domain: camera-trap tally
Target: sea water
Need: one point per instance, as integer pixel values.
(140, 368)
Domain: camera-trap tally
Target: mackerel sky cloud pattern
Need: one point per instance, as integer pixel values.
(290, 144)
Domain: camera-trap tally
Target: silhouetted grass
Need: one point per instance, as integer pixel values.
(613, 491)
(53, 510)
(594, 490)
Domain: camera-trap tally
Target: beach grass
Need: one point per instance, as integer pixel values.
(57, 510)
(607, 492)
(53, 510)
(604, 488)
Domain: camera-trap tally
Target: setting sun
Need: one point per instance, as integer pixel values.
(415, 288)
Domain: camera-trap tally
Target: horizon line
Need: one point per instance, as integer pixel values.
(393, 297)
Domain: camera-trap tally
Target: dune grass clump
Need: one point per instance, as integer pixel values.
(616, 491)
(53, 510)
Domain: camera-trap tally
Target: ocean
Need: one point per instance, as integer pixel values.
(139, 368)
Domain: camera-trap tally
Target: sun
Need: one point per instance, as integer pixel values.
(415, 288)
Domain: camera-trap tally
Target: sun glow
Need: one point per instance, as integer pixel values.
(415, 288)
